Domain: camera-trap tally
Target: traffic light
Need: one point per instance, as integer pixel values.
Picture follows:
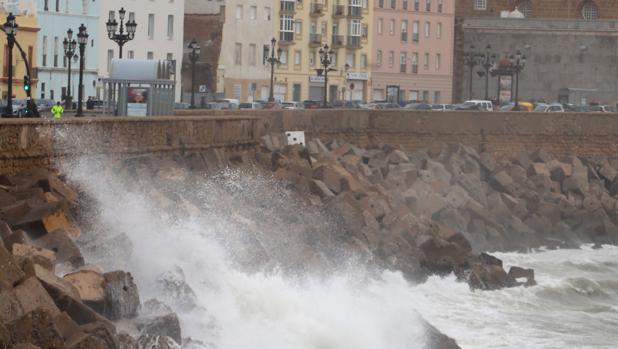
(26, 83)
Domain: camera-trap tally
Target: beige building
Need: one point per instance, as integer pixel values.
(302, 27)
(242, 72)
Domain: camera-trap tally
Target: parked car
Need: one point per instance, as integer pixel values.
(418, 106)
(442, 107)
(482, 104)
(346, 104)
(470, 106)
(311, 104)
(250, 105)
(228, 103)
(272, 105)
(44, 105)
(549, 108)
(603, 108)
(381, 106)
(523, 106)
(291, 105)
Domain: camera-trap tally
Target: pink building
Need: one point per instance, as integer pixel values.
(413, 47)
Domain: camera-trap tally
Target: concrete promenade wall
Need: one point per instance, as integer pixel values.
(27, 143)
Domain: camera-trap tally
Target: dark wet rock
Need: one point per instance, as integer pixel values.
(121, 296)
(162, 325)
(174, 290)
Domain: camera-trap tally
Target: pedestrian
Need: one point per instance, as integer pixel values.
(57, 111)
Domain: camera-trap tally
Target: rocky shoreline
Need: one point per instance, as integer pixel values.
(434, 211)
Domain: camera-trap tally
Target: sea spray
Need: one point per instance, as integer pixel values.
(277, 306)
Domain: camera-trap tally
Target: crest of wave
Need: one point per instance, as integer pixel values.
(239, 242)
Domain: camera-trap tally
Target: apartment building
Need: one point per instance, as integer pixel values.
(302, 27)
(413, 50)
(55, 19)
(242, 71)
(26, 36)
(159, 34)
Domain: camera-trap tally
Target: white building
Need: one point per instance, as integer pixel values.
(242, 72)
(159, 34)
(203, 7)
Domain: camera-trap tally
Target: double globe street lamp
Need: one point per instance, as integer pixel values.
(471, 60)
(488, 62)
(273, 60)
(10, 28)
(518, 63)
(326, 60)
(82, 40)
(70, 45)
(121, 37)
(194, 55)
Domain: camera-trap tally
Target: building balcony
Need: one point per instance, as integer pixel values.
(338, 11)
(354, 42)
(286, 38)
(355, 12)
(287, 7)
(315, 40)
(338, 41)
(316, 10)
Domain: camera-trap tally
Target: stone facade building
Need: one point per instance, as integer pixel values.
(413, 50)
(570, 46)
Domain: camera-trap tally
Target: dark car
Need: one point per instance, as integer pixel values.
(346, 104)
(418, 106)
(310, 104)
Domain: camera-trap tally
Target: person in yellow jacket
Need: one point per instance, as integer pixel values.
(57, 111)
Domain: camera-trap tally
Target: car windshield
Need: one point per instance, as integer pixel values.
(540, 107)
(469, 103)
(245, 105)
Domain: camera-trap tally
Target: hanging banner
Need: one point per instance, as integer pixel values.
(506, 83)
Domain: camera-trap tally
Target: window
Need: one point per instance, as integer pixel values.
(253, 13)
(380, 25)
(333, 59)
(350, 59)
(415, 26)
(439, 30)
(404, 4)
(252, 54)
(440, 6)
(414, 95)
(414, 64)
(151, 23)
(391, 27)
(169, 56)
(312, 59)
(238, 53)
(265, 53)
(427, 29)
(393, 4)
(57, 5)
(417, 5)
(297, 57)
(426, 62)
(425, 96)
(56, 45)
(45, 51)
(238, 11)
(480, 4)
(46, 5)
(379, 57)
(131, 54)
(428, 5)
(284, 56)
(363, 61)
(402, 62)
(436, 97)
(150, 55)
(381, 3)
(286, 28)
(85, 7)
(267, 13)
(170, 27)
(66, 6)
(438, 61)
(404, 30)
(525, 7)
(590, 11)
(110, 56)
(355, 28)
(391, 58)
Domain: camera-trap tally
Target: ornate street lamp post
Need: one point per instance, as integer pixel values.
(10, 28)
(471, 60)
(488, 61)
(82, 40)
(194, 55)
(273, 60)
(121, 37)
(69, 45)
(518, 63)
(326, 60)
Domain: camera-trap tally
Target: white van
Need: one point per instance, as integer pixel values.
(481, 104)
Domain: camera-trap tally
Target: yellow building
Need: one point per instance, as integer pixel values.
(27, 38)
(302, 27)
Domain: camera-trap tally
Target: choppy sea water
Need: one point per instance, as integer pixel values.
(575, 304)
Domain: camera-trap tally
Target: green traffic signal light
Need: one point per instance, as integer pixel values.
(26, 83)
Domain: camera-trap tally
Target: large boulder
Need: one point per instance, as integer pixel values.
(91, 287)
(10, 273)
(31, 295)
(487, 277)
(36, 327)
(66, 250)
(443, 257)
(121, 296)
(162, 325)
(518, 276)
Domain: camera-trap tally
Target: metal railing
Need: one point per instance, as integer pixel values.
(354, 41)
